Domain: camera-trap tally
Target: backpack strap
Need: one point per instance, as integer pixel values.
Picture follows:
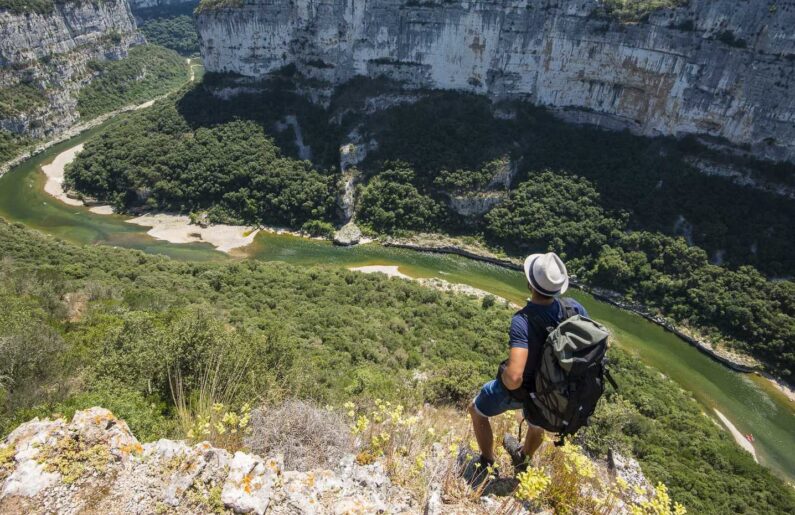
(566, 308)
(540, 326)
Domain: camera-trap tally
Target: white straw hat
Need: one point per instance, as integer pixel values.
(546, 274)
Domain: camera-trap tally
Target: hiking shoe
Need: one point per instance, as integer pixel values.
(516, 452)
(475, 469)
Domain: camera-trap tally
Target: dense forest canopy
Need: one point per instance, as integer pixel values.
(233, 169)
(650, 179)
(89, 326)
(175, 32)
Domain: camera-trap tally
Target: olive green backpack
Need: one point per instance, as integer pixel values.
(572, 369)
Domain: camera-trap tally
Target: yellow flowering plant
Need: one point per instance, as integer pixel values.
(659, 504)
(532, 484)
(421, 449)
(221, 426)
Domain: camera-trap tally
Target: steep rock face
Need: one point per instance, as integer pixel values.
(48, 55)
(716, 67)
(139, 5)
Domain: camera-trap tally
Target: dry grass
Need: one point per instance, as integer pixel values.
(206, 414)
(306, 435)
(429, 452)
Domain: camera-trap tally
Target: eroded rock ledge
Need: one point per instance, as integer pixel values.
(94, 462)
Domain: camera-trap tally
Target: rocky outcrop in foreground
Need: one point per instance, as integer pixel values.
(95, 463)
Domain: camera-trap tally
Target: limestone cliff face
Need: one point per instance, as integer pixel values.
(724, 68)
(139, 5)
(48, 55)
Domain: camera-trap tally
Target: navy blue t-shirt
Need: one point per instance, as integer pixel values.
(522, 336)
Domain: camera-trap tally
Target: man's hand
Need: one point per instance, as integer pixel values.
(514, 373)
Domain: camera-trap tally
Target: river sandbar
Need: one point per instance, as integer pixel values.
(432, 282)
(101, 210)
(740, 438)
(391, 271)
(55, 172)
(178, 229)
(172, 228)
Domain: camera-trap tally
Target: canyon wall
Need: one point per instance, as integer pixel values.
(722, 68)
(44, 60)
(148, 5)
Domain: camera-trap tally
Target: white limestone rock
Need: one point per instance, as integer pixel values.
(476, 204)
(348, 235)
(628, 469)
(249, 486)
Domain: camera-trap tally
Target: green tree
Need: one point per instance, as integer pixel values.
(390, 202)
(553, 211)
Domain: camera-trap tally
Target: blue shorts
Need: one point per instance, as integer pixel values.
(494, 400)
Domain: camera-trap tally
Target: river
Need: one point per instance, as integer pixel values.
(750, 402)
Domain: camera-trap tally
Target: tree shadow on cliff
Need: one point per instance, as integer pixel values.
(441, 131)
(221, 99)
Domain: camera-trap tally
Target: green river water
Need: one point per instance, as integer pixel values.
(753, 404)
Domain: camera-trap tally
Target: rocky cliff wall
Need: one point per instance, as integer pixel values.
(723, 68)
(48, 56)
(143, 5)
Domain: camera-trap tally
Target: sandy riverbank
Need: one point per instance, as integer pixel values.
(101, 210)
(172, 228)
(163, 226)
(431, 282)
(740, 438)
(55, 172)
(391, 271)
(780, 385)
(178, 229)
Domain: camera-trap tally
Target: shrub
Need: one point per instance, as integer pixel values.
(306, 435)
(556, 212)
(177, 33)
(455, 382)
(318, 228)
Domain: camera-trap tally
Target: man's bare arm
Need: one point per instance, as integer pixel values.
(513, 374)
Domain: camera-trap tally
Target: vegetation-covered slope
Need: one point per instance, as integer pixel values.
(175, 32)
(115, 327)
(33, 6)
(603, 211)
(10, 144)
(148, 71)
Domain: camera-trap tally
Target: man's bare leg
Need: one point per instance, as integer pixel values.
(533, 440)
(483, 433)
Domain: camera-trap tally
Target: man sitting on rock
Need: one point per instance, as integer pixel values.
(547, 279)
